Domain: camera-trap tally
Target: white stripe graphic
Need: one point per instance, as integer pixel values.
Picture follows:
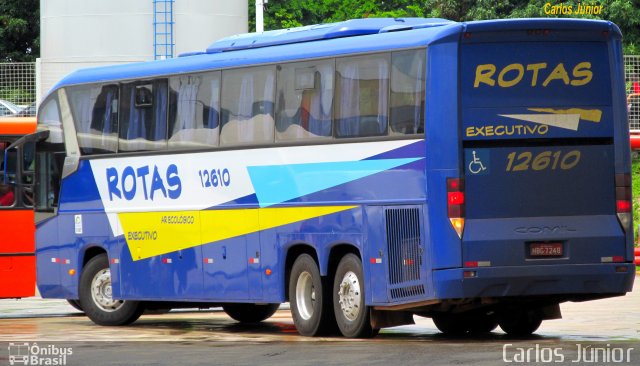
(566, 121)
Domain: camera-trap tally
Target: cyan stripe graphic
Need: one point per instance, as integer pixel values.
(275, 184)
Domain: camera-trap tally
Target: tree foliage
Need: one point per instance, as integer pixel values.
(293, 13)
(19, 30)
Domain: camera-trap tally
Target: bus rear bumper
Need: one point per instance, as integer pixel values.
(577, 279)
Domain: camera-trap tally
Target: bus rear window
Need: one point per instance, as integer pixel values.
(521, 90)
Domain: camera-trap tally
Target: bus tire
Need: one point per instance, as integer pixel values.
(310, 298)
(482, 323)
(520, 323)
(451, 324)
(250, 313)
(352, 316)
(95, 296)
(75, 304)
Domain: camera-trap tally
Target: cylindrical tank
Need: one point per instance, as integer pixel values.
(79, 33)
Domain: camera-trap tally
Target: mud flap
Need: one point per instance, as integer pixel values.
(551, 312)
(384, 319)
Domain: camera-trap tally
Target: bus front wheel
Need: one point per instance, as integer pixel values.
(352, 316)
(309, 297)
(250, 313)
(75, 304)
(96, 296)
(451, 324)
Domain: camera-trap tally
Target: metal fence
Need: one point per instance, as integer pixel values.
(632, 78)
(17, 83)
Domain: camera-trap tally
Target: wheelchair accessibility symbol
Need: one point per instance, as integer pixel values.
(477, 161)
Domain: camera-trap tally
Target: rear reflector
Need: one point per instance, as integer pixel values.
(455, 204)
(614, 259)
(474, 264)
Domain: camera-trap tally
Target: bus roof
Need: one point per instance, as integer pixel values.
(317, 32)
(316, 41)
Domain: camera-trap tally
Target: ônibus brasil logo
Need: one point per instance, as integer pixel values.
(32, 354)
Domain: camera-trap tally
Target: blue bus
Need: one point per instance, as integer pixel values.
(365, 171)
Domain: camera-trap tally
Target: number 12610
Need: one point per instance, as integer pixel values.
(215, 178)
(518, 162)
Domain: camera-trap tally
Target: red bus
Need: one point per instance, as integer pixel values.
(17, 247)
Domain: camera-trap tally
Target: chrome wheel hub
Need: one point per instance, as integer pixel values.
(305, 295)
(101, 291)
(350, 296)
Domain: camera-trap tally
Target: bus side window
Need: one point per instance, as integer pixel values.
(362, 96)
(143, 116)
(7, 192)
(304, 100)
(407, 92)
(95, 116)
(194, 110)
(247, 97)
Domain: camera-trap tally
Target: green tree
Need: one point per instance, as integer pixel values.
(292, 13)
(19, 30)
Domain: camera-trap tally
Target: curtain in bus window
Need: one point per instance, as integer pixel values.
(94, 111)
(266, 104)
(187, 103)
(305, 96)
(348, 115)
(407, 92)
(214, 106)
(143, 124)
(363, 85)
(316, 103)
(159, 132)
(82, 103)
(248, 101)
(139, 118)
(196, 101)
(245, 102)
(103, 116)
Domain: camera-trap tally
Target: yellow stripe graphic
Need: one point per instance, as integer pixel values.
(149, 234)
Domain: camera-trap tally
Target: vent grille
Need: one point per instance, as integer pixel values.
(408, 291)
(405, 252)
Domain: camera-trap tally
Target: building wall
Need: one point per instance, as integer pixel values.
(79, 33)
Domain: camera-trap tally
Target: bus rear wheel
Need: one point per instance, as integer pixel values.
(482, 323)
(250, 313)
(352, 316)
(520, 323)
(310, 298)
(96, 296)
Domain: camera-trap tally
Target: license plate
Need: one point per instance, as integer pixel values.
(545, 249)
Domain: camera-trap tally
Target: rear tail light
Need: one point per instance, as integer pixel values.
(623, 200)
(455, 204)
